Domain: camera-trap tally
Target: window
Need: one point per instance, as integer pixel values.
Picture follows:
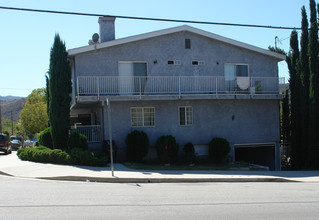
(198, 62)
(132, 77)
(232, 71)
(187, 43)
(185, 115)
(142, 117)
(174, 62)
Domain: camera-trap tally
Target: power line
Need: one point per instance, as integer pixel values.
(151, 19)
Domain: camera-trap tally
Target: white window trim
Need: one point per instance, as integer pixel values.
(142, 116)
(179, 117)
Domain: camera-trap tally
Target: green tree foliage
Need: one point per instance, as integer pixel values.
(45, 138)
(59, 90)
(277, 50)
(33, 116)
(285, 118)
(218, 149)
(47, 93)
(295, 88)
(137, 145)
(77, 140)
(304, 76)
(313, 87)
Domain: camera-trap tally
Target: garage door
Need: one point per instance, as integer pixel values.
(259, 154)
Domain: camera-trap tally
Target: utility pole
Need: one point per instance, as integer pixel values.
(11, 123)
(110, 133)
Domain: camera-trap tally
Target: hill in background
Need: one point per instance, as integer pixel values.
(13, 104)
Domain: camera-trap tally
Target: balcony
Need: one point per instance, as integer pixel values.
(93, 133)
(166, 87)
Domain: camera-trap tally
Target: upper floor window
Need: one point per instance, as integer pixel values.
(142, 116)
(185, 115)
(174, 62)
(232, 72)
(198, 62)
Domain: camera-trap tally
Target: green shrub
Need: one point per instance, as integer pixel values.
(77, 140)
(86, 158)
(137, 146)
(167, 149)
(218, 149)
(188, 153)
(45, 138)
(44, 154)
(76, 156)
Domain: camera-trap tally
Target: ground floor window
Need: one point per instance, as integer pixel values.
(185, 115)
(142, 116)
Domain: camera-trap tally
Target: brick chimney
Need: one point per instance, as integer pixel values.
(107, 28)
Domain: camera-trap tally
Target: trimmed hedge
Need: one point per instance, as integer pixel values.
(45, 138)
(167, 149)
(44, 154)
(218, 149)
(137, 146)
(75, 156)
(77, 140)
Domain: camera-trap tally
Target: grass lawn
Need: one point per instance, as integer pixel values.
(210, 166)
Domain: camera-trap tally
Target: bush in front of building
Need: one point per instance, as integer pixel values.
(137, 145)
(167, 149)
(188, 153)
(218, 149)
(75, 156)
(45, 138)
(44, 154)
(77, 140)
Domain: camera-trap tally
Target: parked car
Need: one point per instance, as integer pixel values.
(28, 143)
(18, 138)
(5, 144)
(15, 144)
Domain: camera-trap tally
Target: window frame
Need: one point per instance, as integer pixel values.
(174, 62)
(143, 117)
(186, 121)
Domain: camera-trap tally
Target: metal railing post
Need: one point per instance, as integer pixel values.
(179, 87)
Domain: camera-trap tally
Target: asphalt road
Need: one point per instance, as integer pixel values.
(44, 199)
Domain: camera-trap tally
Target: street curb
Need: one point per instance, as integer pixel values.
(164, 180)
(5, 174)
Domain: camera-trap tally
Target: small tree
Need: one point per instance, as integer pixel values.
(137, 145)
(167, 149)
(218, 149)
(45, 138)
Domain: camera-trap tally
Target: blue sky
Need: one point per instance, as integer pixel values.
(26, 38)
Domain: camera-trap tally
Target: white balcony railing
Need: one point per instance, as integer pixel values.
(92, 132)
(176, 85)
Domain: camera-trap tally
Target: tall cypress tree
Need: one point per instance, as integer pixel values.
(295, 86)
(304, 75)
(47, 93)
(285, 118)
(313, 87)
(59, 90)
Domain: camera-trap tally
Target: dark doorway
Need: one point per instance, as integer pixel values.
(259, 155)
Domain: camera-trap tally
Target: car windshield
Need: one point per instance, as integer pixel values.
(15, 141)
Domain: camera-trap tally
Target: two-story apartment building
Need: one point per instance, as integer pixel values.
(182, 81)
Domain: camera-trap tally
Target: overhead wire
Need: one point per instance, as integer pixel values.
(151, 19)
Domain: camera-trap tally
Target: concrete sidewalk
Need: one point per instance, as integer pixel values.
(11, 165)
